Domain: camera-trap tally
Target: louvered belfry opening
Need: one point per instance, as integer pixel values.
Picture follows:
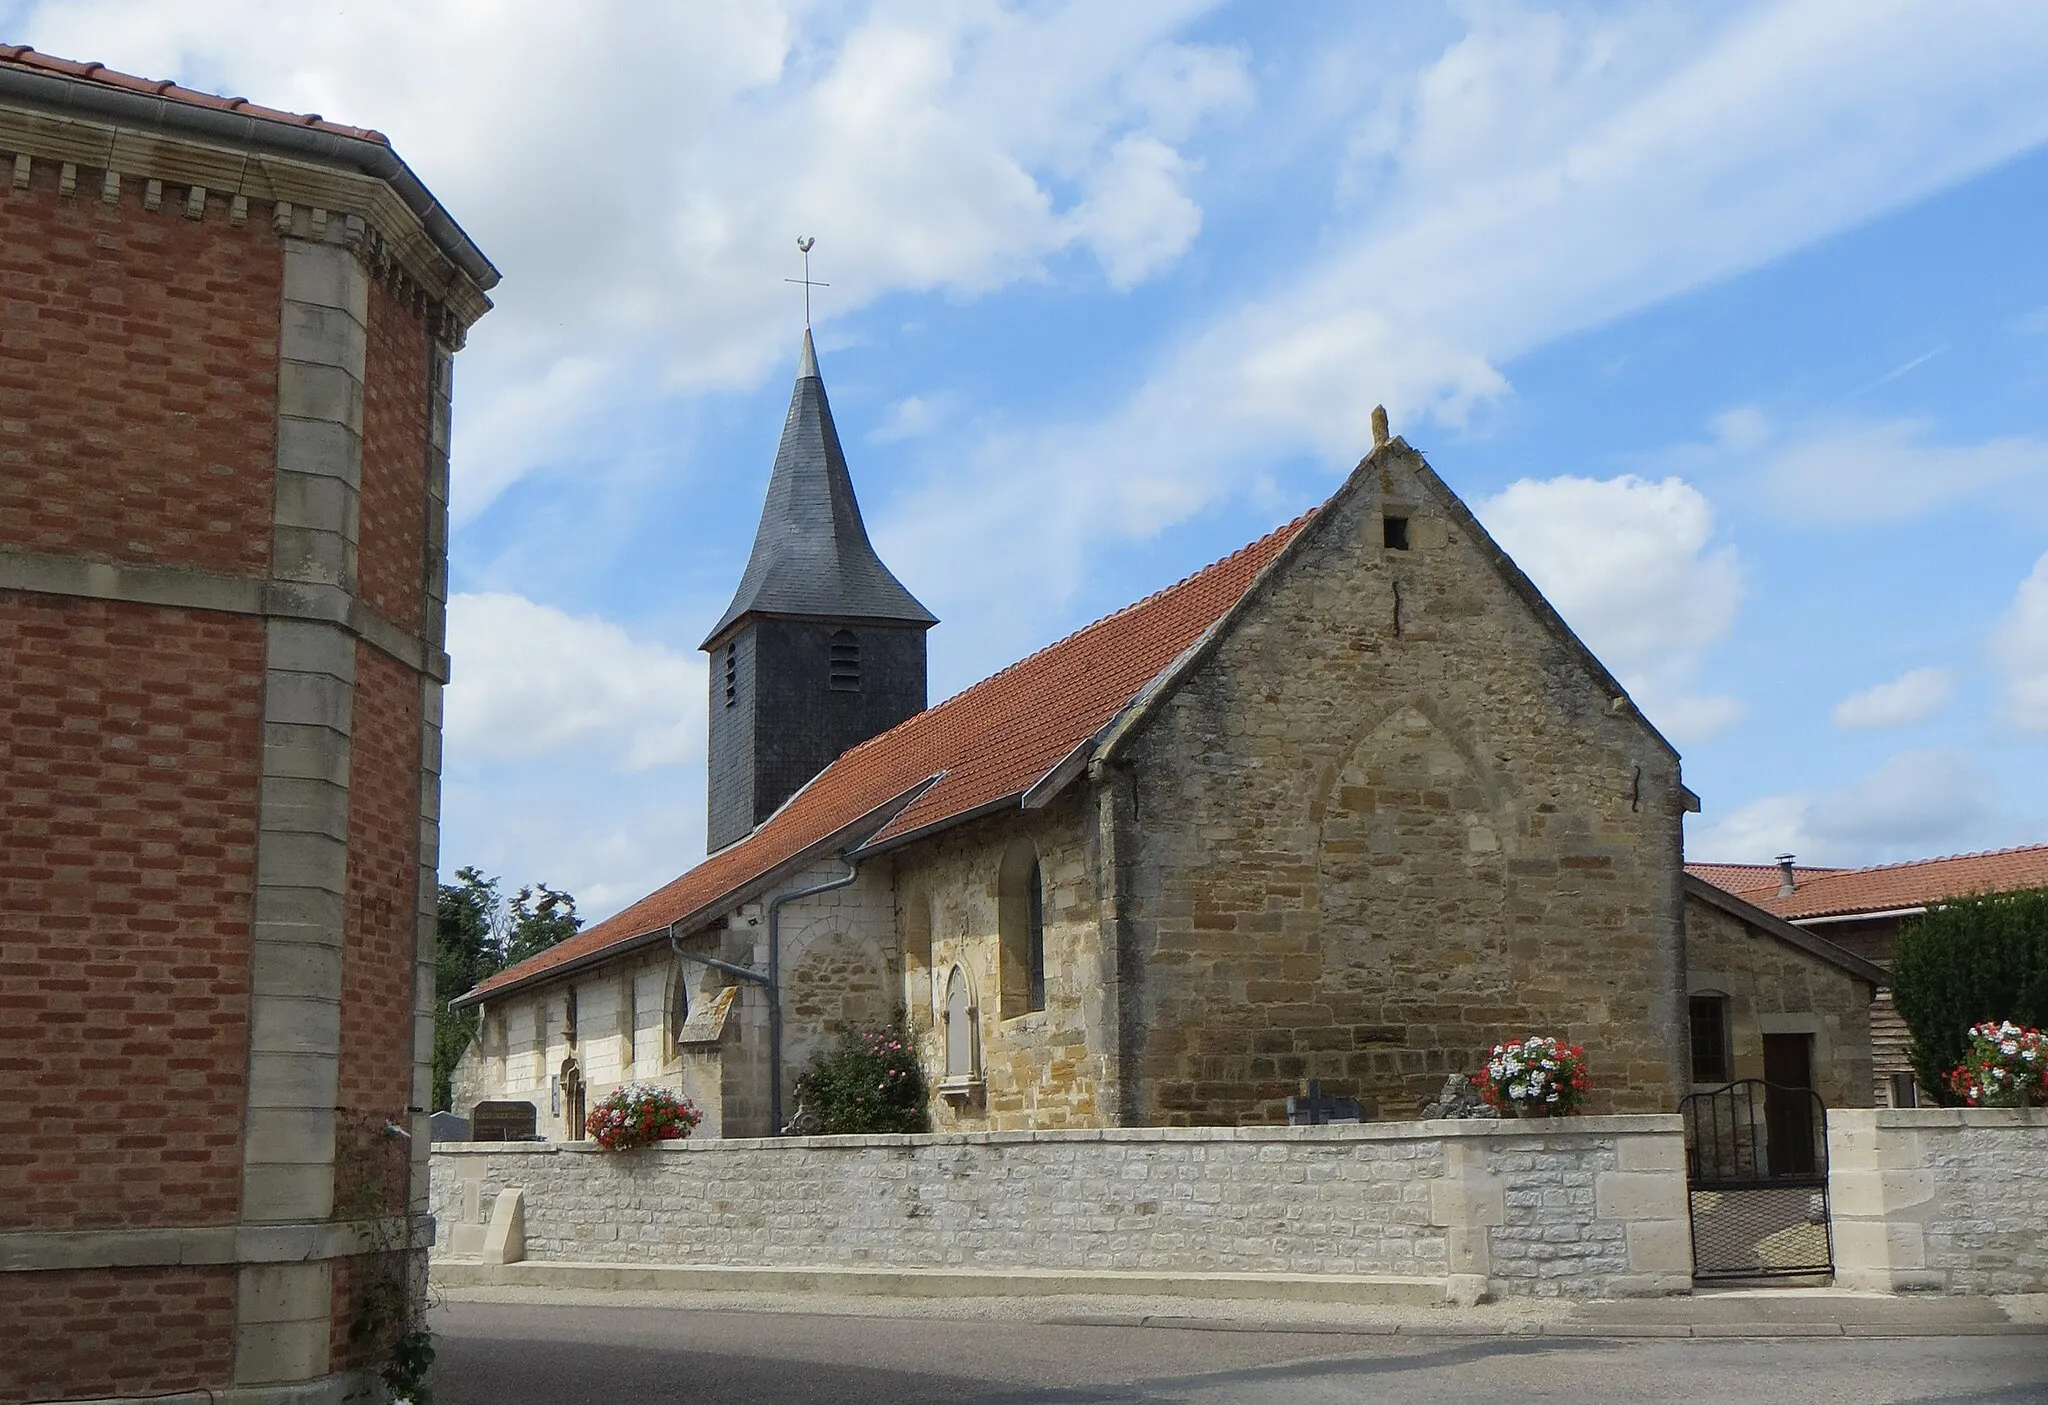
(845, 662)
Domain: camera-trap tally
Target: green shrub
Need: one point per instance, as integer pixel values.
(870, 1083)
(1965, 962)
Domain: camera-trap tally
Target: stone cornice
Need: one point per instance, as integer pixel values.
(303, 196)
(42, 1250)
(182, 588)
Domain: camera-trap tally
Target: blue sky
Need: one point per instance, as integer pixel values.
(1730, 322)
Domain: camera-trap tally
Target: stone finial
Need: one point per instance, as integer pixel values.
(1379, 426)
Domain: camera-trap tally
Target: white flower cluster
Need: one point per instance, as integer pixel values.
(1529, 1071)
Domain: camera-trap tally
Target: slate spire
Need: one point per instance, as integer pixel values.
(811, 556)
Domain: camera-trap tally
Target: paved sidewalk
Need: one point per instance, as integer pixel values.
(1781, 1312)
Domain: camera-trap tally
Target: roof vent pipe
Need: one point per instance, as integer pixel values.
(1788, 883)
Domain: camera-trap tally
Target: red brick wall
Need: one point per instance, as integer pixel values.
(128, 794)
(138, 374)
(391, 538)
(124, 1331)
(383, 874)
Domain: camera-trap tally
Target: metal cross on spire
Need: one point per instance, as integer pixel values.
(806, 243)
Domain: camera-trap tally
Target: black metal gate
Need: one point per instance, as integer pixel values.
(1756, 1170)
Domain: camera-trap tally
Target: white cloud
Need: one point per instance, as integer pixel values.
(1917, 804)
(1540, 175)
(639, 171)
(2020, 644)
(1909, 698)
(912, 417)
(1630, 565)
(1848, 474)
(574, 752)
(1137, 216)
(531, 681)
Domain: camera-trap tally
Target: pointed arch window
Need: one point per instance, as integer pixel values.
(845, 662)
(1020, 918)
(959, 1028)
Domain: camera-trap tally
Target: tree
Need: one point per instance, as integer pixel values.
(468, 949)
(1974, 959)
(533, 924)
(477, 935)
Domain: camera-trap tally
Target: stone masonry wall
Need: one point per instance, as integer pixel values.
(1392, 819)
(1537, 1210)
(1042, 1069)
(1940, 1199)
(1773, 988)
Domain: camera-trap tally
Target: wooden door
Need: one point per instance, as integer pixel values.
(1788, 1103)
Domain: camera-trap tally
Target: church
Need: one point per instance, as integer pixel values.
(1351, 805)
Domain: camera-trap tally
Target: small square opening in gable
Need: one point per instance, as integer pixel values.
(1394, 533)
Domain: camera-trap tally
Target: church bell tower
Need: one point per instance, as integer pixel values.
(821, 648)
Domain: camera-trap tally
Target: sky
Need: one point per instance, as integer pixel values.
(1730, 322)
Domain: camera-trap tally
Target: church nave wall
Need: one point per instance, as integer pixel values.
(1041, 1068)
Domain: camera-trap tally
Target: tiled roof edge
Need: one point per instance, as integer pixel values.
(1145, 703)
(1745, 911)
(841, 840)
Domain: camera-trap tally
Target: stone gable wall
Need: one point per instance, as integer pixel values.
(1593, 1207)
(1779, 989)
(1389, 821)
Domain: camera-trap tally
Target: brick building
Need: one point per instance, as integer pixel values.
(1350, 805)
(225, 346)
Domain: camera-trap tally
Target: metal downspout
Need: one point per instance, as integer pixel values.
(770, 980)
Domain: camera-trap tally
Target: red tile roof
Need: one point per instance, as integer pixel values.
(21, 56)
(1888, 887)
(1747, 878)
(987, 745)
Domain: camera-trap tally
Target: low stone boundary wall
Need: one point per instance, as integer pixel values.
(1940, 1199)
(1593, 1206)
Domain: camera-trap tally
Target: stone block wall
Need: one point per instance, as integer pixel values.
(1589, 1209)
(1940, 1199)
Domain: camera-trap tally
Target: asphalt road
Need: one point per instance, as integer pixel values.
(548, 1354)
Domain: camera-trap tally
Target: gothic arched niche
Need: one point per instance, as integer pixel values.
(960, 1031)
(1412, 859)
